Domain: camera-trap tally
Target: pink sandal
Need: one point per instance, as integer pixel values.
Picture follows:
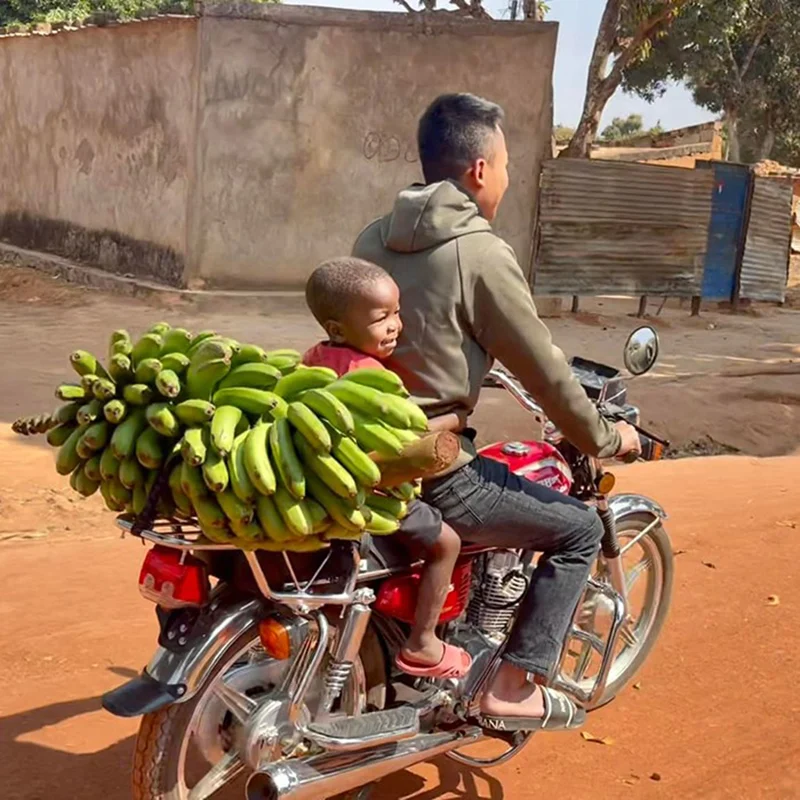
(455, 663)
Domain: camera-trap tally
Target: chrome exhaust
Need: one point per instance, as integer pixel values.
(330, 774)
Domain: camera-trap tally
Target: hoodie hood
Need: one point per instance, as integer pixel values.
(426, 216)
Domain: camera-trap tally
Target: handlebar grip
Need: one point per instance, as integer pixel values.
(651, 450)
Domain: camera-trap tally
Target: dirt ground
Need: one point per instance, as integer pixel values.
(714, 714)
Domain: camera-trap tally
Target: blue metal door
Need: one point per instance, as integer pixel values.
(726, 228)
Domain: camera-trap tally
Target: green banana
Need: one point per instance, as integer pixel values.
(294, 512)
(285, 361)
(192, 482)
(198, 340)
(84, 485)
(139, 499)
(147, 369)
(114, 411)
(309, 425)
(67, 458)
(71, 391)
(194, 412)
(119, 494)
(149, 346)
(402, 413)
(177, 340)
(104, 389)
(66, 413)
(209, 512)
(215, 472)
(336, 531)
(130, 473)
(137, 394)
(88, 382)
(58, 435)
(350, 518)
(109, 464)
(85, 363)
(120, 343)
(120, 368)
(381, 523)
(256, 460)
(285, 459)
(194, 445)
(96, 435)
(405, 436)
(182, 502)
(221, 535)
(160, 328)
(90, 411)
(249, 354)
(308, 544)
(177, 362)
(320, 521)
(252, 401)
(249, 534)
(356, 462)
(241, 484)
(271, 521)
(223, 427)
(330, 408)
(92, 469)
(391, 505)
(384, 380)
(255, 375)
(150, 449)
(235, 510)
(162, 420)
(300, 381)
(168, 383)
(203, 376)
(372, 436)
(111, 504)
(83, 450)
(286, 352)
(405, 491)
(327, 468)
(365, 399)
(281, 409)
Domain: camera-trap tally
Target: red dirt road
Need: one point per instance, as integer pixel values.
(713, 717)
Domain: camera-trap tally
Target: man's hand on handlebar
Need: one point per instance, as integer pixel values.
(630, 444)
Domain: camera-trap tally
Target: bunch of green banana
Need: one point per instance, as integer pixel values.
(262, 451)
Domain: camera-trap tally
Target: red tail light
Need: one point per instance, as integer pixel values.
(397, 597)
(173, 579)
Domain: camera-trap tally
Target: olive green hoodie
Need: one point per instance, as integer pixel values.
(464, 303)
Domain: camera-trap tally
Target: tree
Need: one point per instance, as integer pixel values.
(623, 128)
(740, 59)
(563, 133)
(627, 30)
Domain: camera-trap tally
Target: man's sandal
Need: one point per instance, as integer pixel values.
(560, 714)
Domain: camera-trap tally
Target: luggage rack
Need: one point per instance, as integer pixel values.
(185, 535)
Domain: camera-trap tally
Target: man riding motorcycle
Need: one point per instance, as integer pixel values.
(466, 303)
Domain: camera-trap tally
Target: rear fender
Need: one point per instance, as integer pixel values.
(190, 648)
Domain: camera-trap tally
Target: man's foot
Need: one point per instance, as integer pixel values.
(512, 703)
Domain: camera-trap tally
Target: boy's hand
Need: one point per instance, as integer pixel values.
(455, 421)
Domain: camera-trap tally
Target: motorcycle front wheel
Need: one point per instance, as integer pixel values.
(188, 751)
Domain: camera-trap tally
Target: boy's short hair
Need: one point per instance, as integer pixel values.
(333, 284)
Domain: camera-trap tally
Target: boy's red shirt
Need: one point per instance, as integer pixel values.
(340, 358)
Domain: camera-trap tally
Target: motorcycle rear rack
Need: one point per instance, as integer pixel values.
(185, 535)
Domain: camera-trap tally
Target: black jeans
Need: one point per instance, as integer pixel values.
(488, 504)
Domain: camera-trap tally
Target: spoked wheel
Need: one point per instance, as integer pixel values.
(648, 565)
(194, 750)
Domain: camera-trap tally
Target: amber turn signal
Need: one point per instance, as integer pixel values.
(275, 638)
(605, 483)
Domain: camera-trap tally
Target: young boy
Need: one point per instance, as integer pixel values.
(358, 305)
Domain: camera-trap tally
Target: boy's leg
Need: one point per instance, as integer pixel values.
(423, 646)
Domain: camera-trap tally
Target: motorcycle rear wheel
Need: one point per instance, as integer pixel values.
(160, 752)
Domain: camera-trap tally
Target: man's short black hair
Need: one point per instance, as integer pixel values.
(454, 133)
(334, 283)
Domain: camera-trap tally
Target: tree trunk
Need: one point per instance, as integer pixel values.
(597, 94)
(734, 145)
(767, 145)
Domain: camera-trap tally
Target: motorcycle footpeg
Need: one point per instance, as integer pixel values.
(367, 730)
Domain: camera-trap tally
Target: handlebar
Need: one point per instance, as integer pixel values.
(652, 448)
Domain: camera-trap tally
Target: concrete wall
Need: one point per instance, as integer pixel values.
(95, 131)
(242, 148)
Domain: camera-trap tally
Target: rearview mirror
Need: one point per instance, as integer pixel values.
(641, 350)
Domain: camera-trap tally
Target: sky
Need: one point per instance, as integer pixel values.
(578, 21)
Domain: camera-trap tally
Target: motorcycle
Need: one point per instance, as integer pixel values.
(282, 675)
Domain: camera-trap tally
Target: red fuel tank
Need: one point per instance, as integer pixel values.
(539, 462)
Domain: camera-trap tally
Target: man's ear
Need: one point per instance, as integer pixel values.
(334, 331)
(475, 176)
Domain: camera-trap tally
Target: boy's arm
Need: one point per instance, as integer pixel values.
(455, 421)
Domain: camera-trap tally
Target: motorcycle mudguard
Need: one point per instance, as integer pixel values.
(623, 505)
(191, 645)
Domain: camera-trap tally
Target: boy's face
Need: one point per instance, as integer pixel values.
(372, 321)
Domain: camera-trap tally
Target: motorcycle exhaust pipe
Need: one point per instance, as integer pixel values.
(330, 774)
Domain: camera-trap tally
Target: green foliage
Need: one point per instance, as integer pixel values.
(563, 133)
(627, 128)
